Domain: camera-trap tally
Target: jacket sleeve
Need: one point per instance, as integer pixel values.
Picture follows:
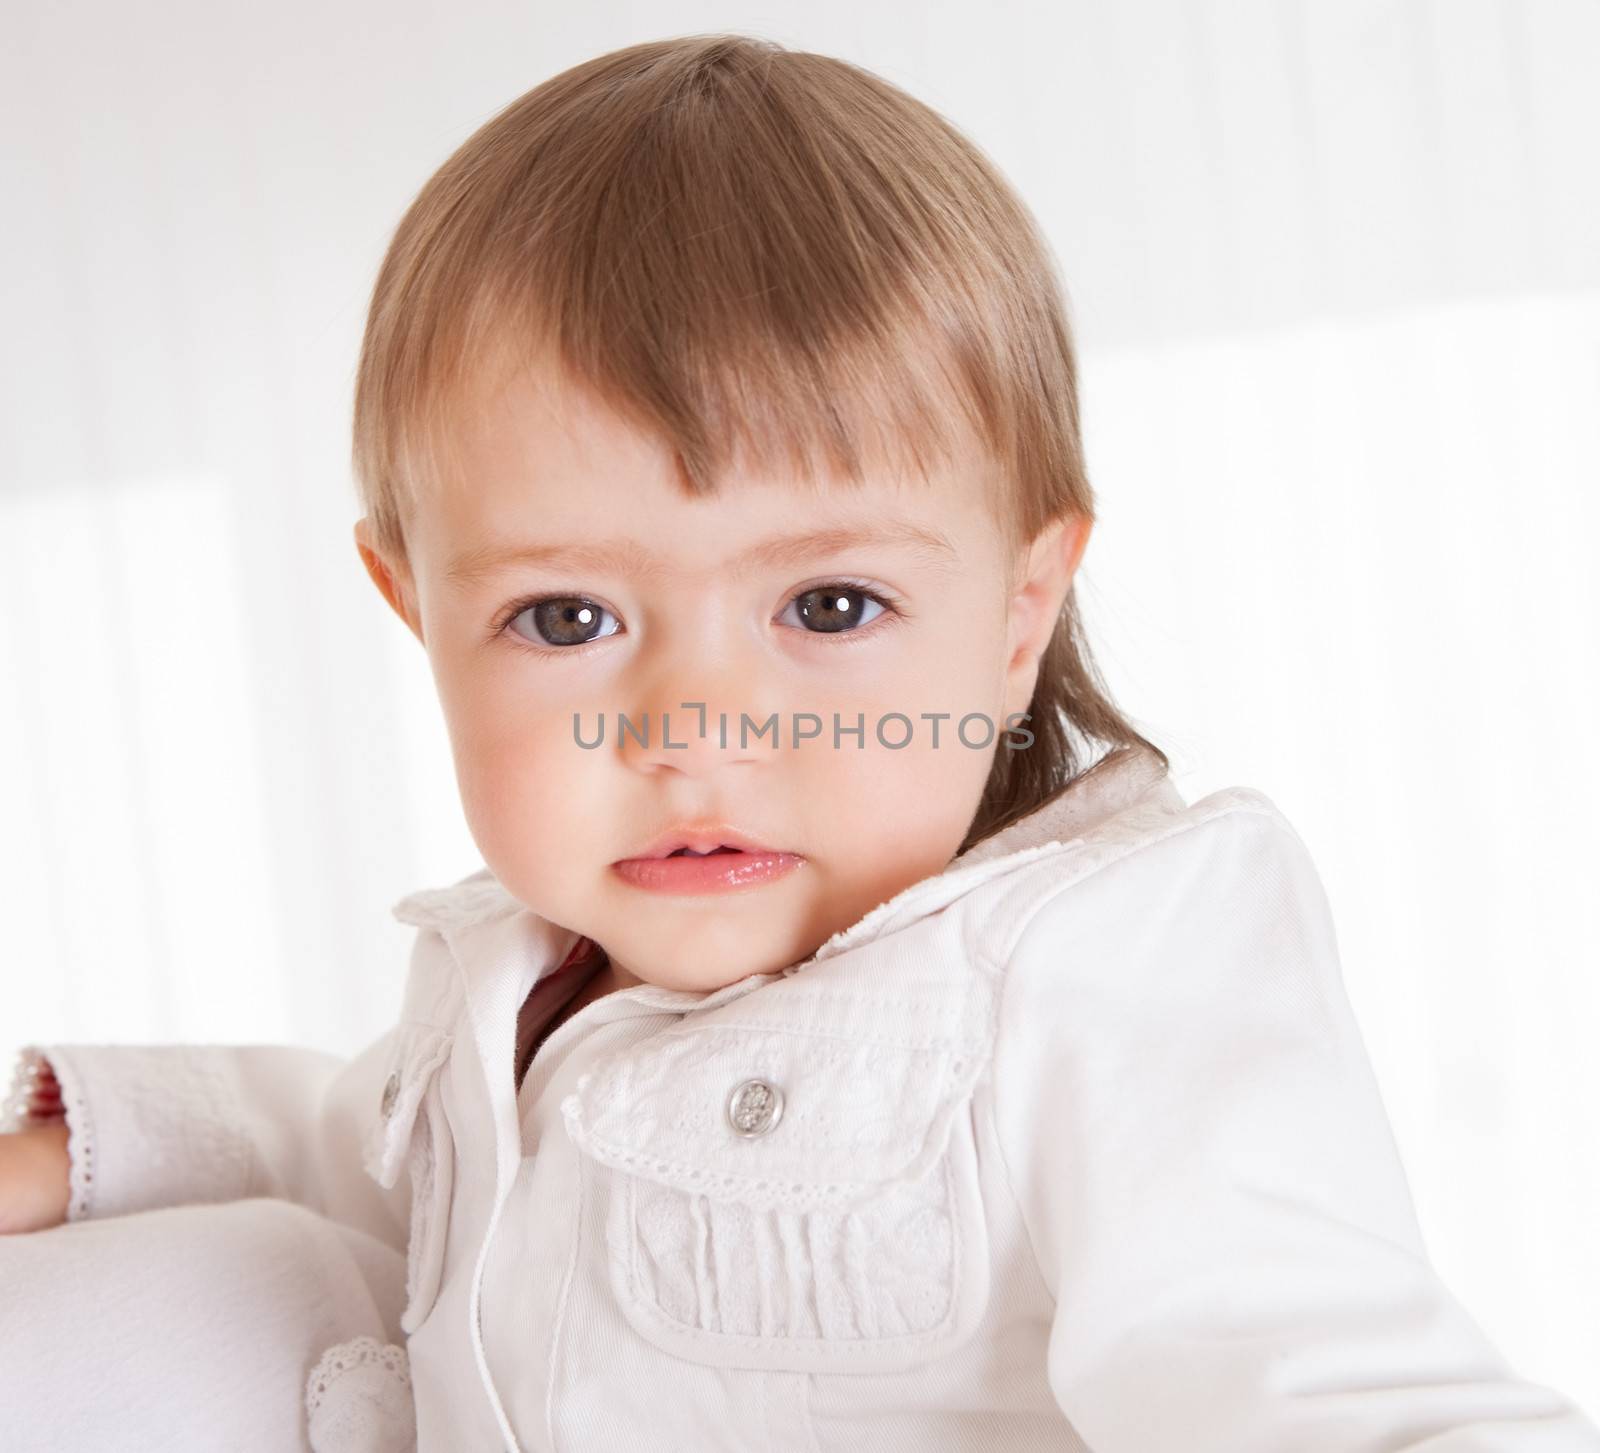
(1201, 1155)
(176, 1124)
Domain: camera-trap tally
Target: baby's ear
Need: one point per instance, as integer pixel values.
(1040, 584)
(392, 577)
(1041, 577)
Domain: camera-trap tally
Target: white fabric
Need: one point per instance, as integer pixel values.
(1080, 1148)
(191, 1329)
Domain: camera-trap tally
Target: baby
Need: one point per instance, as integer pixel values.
(853, 1038)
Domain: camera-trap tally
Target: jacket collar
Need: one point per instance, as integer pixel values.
(1113, 785)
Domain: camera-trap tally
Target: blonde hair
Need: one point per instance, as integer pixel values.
(764, 257)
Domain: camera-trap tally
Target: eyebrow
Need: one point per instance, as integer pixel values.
(930, 547)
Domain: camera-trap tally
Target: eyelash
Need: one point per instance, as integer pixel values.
(892, 610)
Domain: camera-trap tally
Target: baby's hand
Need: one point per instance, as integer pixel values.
(35, 1178)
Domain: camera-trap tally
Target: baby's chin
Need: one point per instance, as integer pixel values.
(701, 952)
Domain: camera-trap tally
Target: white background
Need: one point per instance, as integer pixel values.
(1334, 267)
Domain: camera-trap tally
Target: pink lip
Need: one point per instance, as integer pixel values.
(703, 837)
(714, 873)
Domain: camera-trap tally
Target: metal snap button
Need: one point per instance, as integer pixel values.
(755, 1107)
(391, 1092)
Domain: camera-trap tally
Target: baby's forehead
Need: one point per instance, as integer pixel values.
(632, 525)
(748, 529)
(590, 467)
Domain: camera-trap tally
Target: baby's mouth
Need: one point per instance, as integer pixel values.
(703, 840)
(688, 870)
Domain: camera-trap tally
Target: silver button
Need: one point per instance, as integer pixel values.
(755, 1107)
(391, 1091)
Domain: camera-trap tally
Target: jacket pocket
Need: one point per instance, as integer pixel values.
(789, 1200)
(412, 1130)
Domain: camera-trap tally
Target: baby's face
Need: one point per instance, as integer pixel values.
(680, 601)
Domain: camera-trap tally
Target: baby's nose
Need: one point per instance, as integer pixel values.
(701, 720)
(693, 736)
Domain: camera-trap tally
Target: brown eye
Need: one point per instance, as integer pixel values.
(567, 620)
(831, 609)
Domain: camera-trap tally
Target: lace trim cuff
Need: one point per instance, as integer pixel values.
(41, 1093)
(358, 1397)
(44, 1092)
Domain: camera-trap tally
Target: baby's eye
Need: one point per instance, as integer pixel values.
(565, 620)
(830, 609)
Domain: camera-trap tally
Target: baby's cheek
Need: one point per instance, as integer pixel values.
(924, 784)
(530, 829)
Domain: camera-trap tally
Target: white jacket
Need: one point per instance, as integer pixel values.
(1078, 1147)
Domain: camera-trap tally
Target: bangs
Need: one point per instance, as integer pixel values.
(768, 259)
(725, 386)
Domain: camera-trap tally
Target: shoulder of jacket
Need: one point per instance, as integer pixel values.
(473, 899)
(1188, 828)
